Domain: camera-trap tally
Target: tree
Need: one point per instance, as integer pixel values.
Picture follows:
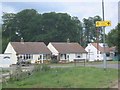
(112, 37)
(90, 31)
(118, 39)
(46, 27)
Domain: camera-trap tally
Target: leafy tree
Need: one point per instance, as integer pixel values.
(0, 39)
(90, 32)
(112, 37)
(46, 27)
(49, 27)
(118, 39)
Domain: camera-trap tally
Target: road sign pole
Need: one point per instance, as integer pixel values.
(104, 55)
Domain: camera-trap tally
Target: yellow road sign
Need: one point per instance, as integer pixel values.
(103, 23)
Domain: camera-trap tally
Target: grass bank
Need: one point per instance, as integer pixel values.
(72, 77)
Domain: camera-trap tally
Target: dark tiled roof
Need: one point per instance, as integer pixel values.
(113, 49)
(30, 47)
(101, 49)
(68, 47)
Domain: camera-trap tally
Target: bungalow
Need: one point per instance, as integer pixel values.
(96, 51)
(32, 51)
(67, 52)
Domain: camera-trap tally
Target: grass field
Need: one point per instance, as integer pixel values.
(72, 77)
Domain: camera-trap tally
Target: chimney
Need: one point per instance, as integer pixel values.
(68, 40)
(22, 40)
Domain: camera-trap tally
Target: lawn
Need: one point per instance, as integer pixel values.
(72, 77)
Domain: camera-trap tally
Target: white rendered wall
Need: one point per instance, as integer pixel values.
(10, 50)
(52, 49)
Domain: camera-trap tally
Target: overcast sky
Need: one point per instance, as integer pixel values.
(81, 9)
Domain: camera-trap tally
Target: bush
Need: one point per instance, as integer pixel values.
(37, 67)
(41, 67)
(54, 59)
(45, 67)
(18, 74)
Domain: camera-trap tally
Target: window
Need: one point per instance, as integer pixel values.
(61, 55)
(44, 56)
(48, 56)
(20, 56)
(78, 55)
(24, 56)
(27, 56)
(65, 56)
(7, 57)
(107, 54)
(40, 58)
(31, 56)
(68, 56)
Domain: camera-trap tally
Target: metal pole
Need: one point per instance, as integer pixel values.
(97, 44)
(104, 54)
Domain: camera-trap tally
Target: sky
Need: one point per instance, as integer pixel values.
(79, 8)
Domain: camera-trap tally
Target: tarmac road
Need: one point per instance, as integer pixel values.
(114, 66)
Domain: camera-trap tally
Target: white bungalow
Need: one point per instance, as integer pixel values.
(33, 51)
(67, 52)
(96, 51)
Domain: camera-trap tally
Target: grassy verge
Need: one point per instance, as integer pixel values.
(101, 62)
(73, 77)
(86, 63)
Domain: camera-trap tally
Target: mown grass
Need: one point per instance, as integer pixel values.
(72, 77)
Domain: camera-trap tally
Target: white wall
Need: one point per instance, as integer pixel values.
(92, 56)
(92, 53)
(52, 49)
(5, 61)
(72, 56)
(10, 50)
(35, 57)
(84, 56)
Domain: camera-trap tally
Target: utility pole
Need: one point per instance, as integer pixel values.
(104, 57)
(97, 43)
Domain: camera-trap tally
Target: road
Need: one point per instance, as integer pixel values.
(115, 66)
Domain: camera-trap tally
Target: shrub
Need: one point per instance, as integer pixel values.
(45, 67)
(37, 67)
(54, 59)
(41, 67)
(18, 74)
